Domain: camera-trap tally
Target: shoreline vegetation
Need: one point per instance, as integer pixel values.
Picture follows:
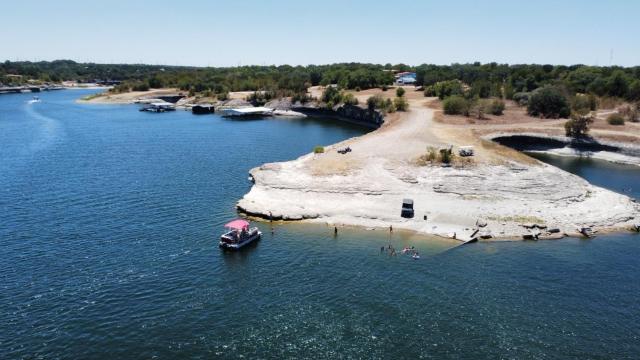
(498, 193)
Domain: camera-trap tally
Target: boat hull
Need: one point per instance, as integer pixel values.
(240, 245)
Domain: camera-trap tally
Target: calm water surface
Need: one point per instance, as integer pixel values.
(108, 239)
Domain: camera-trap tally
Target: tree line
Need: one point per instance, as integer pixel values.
(476, 79)
(218, 80)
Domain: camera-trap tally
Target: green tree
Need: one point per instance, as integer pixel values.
(578, 125)
(548, 102)
(618, 84)
(634, 90)
(456, 105)
(481, 88)
(400, 92)
(375, 102)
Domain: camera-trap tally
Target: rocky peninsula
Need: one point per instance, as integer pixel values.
(499, 194)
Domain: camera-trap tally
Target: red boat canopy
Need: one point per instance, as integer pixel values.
(238, 224)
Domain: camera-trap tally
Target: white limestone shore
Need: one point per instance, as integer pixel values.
(365, 188)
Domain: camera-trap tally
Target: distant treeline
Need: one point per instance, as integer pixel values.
(492, 79)
(501, 80)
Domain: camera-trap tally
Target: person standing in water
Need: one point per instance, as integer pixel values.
(335, 231)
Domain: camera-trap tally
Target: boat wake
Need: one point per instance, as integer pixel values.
(50, 131)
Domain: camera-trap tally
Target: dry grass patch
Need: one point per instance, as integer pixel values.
(506, 153)
(518, 219)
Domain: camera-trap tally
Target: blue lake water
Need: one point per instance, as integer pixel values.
(108, 249)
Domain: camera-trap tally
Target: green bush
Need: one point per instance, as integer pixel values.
(634, 90)
(156, 83)
(400, 92)
(456, 105)
(400, 104)
(548, 102)
(434, 155)
(481, 88)
(522, 98)
(331, 94)
(375, 102)
(223, 96)
(443, 89)
(389, 106)
(578, 125)
(318, 149)
(446, 156)
(349, 99)
(141, 86)
(385, 88)
(582, 104)
(615, 119)
(496, 107)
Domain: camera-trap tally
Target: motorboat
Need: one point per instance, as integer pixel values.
(239, 233)
(35, 99)
(159, 107)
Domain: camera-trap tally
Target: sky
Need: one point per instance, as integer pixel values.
(298, 32)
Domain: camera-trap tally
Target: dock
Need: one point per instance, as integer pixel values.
(247, 111)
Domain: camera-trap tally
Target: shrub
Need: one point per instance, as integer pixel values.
(375, 102)
(630, 112)
(445, 89)
(389, 106)
(385, 88)
(223, 96)
(400, 104)
(433, 155)
(141, 86)
(331, 94)
(582, 104)
(496, 107)
(481, 88)
(349, 99)
(301, 97)
(578, 126)
(400, 92)
(615, 119)
(634, 90)
(548, 102)
(156, 83)
(456, 105)
(478, 108)
(446, 156)
(318, 149)
(358, 88)
(522, 98)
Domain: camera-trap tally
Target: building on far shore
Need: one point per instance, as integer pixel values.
(405, 78)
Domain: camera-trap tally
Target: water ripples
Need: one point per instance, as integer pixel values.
(109, 250)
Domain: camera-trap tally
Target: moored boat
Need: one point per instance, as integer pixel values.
(238, 235)
(159, 107)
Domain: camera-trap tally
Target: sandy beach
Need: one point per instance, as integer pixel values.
(499, 194)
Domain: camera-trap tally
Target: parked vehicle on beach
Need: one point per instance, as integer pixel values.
(238, 235)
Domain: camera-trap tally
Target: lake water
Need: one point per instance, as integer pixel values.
(108, 239)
